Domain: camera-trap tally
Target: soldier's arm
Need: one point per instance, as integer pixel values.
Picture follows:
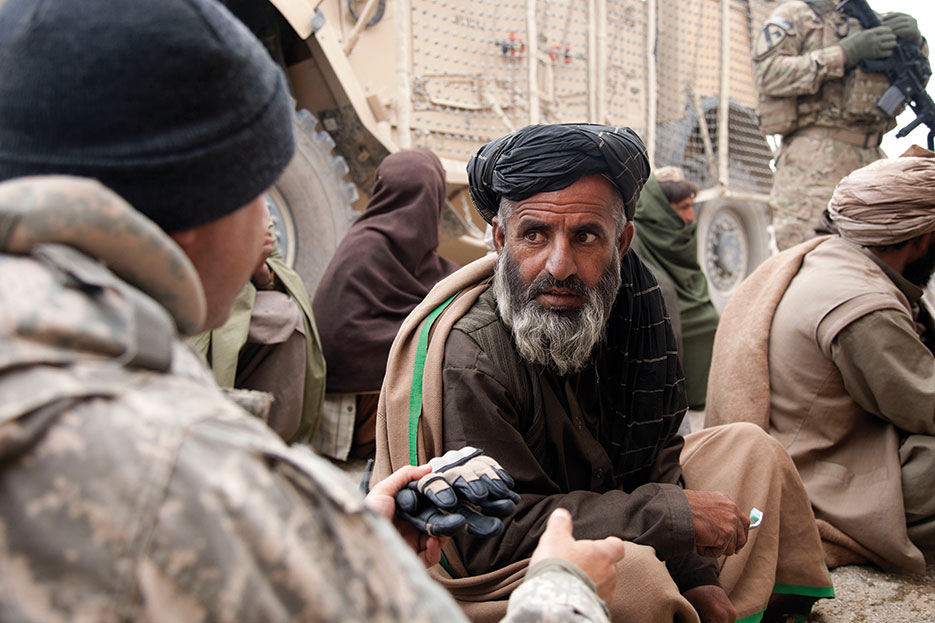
(558, 591)
(784, 66)
(252, 530)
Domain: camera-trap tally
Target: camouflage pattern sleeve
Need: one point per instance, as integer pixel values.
(790, 56)
(272, 534)
(556, 591)
(297, 539)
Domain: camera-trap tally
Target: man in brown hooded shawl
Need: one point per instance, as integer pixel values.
(557, 359)
(828, 347)
(382, 269)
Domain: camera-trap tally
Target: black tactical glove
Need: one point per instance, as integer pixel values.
(874, 43)
(903, 26)
(465, 487)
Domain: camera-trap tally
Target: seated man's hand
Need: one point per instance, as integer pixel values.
(711, 604)
(720, 527)
(382, 500)
(464, 488)
(263, 275)
(598, 559)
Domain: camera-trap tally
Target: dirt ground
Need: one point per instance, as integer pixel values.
(865, 594)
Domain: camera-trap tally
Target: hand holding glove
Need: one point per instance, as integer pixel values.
(464, 488)
(874, 43)
(903, 26)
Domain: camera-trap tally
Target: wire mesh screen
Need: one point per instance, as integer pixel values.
(472, 60)
(470, 76)
(626, 92)
(689, 68)
(562, 54)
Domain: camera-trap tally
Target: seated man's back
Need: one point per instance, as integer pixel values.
(840, 340)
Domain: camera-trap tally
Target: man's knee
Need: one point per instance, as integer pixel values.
(742, 434)
(645, 591)
(741, 443)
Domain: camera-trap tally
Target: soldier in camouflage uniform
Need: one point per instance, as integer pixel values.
(131, 488)
(813, 92)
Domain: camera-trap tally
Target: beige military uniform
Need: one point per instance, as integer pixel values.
(131, 489)
(829, 121)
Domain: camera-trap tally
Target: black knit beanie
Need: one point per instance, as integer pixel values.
(174, 104)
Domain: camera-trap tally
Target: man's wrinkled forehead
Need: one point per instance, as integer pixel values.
(592, 194)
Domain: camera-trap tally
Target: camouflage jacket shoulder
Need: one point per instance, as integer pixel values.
(137, 494)
(801, 76)
(795, 29)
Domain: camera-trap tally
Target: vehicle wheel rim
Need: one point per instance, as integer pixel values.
(726, 251)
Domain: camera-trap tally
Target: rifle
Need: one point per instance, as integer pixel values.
(906, 68)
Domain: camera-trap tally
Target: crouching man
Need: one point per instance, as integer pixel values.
(556, 357)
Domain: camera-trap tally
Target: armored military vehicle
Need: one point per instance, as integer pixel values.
(374, 76)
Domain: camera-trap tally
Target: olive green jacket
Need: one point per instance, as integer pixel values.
(221, 347)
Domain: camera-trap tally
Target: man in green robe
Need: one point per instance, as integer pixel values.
(667, 241)
(270, 343)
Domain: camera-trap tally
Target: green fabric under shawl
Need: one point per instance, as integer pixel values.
(669, 246)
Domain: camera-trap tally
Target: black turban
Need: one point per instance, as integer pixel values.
(544, 158)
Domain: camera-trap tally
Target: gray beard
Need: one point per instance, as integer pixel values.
(562, 340)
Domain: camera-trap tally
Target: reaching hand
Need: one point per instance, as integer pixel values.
(262, 275)
(598, 559)
(720, 527)
(712, 604)
(464, 488)
(382, 500)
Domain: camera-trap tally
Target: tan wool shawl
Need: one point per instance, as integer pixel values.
(738, 384)
(393, 415)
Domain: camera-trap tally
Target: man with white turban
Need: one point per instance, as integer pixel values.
(829, 347)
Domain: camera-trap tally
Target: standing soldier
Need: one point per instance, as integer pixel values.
(813, 92)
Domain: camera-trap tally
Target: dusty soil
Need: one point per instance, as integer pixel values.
(865, 594)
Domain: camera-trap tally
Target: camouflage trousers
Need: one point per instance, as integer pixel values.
(807, 170)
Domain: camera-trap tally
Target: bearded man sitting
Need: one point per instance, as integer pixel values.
(829, 347)
(558, 359)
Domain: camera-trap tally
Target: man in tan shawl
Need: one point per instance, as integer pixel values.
(828, 347)
(558, 360)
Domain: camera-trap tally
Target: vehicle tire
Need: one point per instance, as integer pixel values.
(311, 203)
(732, 241)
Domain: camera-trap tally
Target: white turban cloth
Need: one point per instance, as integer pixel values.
(888, 201)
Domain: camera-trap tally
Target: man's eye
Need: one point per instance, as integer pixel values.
(533, 236)
(586, 237)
